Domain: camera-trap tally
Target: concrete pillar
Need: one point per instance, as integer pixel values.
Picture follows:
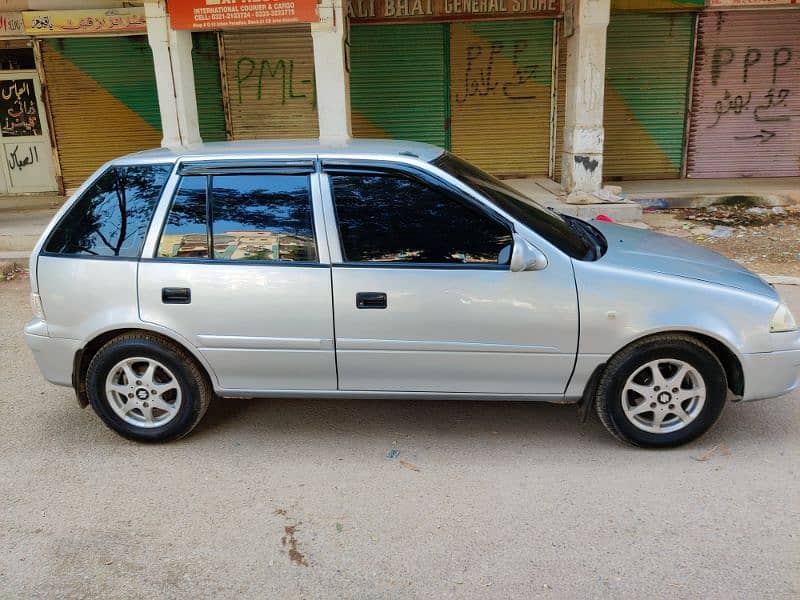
(330, 68)
(172, 61)
(582, 159)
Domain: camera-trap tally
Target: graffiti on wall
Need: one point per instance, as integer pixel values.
(767, 107)
(482, 77)
(19, 112)
(273, 80)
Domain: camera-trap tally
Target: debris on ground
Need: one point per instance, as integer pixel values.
(409, 466)
(763, 239)
(393, 453)
(11, 270)
(719, 448)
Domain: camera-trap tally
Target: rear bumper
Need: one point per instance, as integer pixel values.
(54, 356)
(770, 374)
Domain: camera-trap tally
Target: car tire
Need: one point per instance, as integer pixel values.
(661, 392)
(146, 388)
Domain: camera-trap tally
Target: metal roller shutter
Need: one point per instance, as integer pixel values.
(745, 118)
(208, 86)
(500, 97)
(648, 65)
(399, 82)
(561, 88)
(103, 101)
(269, 76)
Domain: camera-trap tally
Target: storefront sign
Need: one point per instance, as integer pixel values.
(740, 3)
(397, 11)
(221, 14)
(11, 24)
(84, 22)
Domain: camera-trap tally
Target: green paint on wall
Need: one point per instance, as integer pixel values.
(208, 86)
(648, 64)
(398, 79)
(121, 65)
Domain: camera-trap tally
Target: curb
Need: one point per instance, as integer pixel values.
(781, 279)
(678, 200)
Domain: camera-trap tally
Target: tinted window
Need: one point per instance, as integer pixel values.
(393, 218)
(253, 217)
(549, 224)
(111, 217)
(186, 233)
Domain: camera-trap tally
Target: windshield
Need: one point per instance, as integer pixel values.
(549, 224)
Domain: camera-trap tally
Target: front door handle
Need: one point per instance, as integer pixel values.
(371, 300)
(175, 295)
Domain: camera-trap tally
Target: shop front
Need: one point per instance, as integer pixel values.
(473, 77)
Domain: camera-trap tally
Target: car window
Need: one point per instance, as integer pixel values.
(394, 218)
(261, 216)
(111, 218)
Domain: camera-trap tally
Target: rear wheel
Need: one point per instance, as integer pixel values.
(146, 388)
(660, 392)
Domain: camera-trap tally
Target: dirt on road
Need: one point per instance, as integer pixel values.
(316, 499)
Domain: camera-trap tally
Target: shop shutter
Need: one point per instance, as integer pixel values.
(648, 66)
(561, 89)
(208, 86)
(399, 82)
(500, 96)
(746, 101)
(103, 101)
(269, 76)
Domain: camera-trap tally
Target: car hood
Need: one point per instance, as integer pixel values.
(643, 250)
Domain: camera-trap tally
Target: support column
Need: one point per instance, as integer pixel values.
(172, 61)
(332, 78)
(582, 159)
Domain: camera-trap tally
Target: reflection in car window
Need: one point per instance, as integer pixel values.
(186, 233)
(253, 217)
(262, 217)
(394, 218)
(112, 216)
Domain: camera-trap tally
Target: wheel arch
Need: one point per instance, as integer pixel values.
(84, 355)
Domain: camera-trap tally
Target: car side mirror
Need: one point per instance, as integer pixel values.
(526, 256)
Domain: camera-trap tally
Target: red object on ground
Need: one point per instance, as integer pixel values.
(604, 218)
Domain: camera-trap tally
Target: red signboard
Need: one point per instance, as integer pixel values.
(223, 14)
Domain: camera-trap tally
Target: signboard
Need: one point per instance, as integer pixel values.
(11, 25)
(409, 11)
(745, 3)
(221, 14)
(84, 22)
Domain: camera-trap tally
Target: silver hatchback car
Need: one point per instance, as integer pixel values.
(382, 269)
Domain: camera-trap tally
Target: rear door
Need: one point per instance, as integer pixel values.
(241, 270)
(424, 299)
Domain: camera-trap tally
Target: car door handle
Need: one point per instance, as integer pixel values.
(175, 295)
(370, 300)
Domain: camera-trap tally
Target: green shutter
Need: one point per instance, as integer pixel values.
(399, 82)
(208, 86)
(648, 64)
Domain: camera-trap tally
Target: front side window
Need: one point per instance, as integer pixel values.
(393, 218)
(111, 218)
(261, 216)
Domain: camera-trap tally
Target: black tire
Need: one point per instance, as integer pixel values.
(196, 391)
(609, 396)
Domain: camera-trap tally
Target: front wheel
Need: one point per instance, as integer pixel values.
(661, 392)
(146, 388)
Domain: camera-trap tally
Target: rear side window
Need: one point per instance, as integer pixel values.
(255, 216)
(111, 217)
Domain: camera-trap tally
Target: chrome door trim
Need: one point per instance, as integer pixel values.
(370, 395)
(439, 346)
(263, 343)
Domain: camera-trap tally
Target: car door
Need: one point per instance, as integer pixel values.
(424, 299)
(240, 269)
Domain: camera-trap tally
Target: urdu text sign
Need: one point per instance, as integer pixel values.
(221, 14)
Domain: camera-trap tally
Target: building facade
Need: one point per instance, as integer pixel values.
(577, 90)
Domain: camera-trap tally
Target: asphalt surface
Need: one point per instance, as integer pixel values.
(298, 499)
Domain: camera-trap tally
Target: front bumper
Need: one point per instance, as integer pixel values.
(54, 356)
(770, 374)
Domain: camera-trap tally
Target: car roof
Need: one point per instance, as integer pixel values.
(286, 148)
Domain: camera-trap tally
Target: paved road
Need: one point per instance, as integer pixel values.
(297, 499)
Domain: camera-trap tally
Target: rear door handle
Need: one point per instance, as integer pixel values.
(371, 300)
(175, 295)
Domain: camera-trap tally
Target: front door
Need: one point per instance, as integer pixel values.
(240, 273)
(424, 300)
